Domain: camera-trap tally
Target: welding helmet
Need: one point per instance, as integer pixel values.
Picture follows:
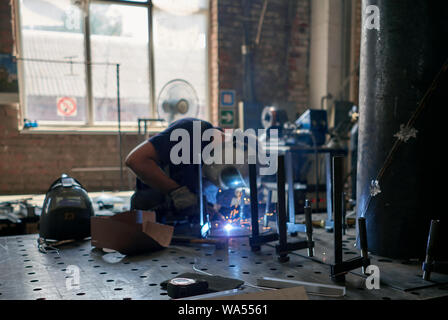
(233, 170)
(66, 211)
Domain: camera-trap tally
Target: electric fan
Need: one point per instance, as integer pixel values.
(177, 99)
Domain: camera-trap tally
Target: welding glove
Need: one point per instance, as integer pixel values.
(183, 198)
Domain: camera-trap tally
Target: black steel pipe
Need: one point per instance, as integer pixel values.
(281, 210)
(398, 65)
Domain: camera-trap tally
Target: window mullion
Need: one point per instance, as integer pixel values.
(88, 60)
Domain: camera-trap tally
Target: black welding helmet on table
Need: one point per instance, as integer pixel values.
(66, 211)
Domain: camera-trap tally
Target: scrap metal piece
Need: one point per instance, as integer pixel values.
(310, 287)
(374, 188)
(406, 133)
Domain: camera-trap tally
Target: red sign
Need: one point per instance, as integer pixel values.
(66, 107)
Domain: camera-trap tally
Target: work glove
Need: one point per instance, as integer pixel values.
(183, 198)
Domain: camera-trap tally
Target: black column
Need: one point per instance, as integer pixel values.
(398, 64)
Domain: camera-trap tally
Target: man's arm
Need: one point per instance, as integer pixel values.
(143, 161)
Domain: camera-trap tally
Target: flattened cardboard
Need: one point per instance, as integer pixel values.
(130, 232)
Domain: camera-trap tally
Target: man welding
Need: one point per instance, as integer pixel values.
(160, 182)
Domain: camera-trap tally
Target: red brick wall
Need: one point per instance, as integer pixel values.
(281, 58)
(29, 163)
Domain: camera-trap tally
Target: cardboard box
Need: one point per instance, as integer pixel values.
(130, 232)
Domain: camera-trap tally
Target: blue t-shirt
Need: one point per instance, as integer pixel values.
(183, 174)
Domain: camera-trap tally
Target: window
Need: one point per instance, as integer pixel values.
(59, 38)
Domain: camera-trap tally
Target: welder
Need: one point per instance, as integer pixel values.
(161, 182)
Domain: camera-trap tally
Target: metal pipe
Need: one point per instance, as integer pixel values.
(309, 227)
(337, 207)
(281, 210)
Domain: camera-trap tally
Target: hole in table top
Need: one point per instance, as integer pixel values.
(152, 284)
(80, 294)
(204, 269)
(22, 249)
(28, 267)
(37, 289)
(181, 257)
(85, 255)
(273, 269)
(90, 260)
(174, 272)
(25, 255)
(64, 270)
(232, 266)
(96, 266)
(246, 272)
(244, 257)
(290, 276)
(30, 273)
(232, 251)
(219, 260)
(258, 262)
(384, 260)
(208, 254)
(60, 262)
(118, 289)
(163, 293)
(57, 257)
(34, 280)
(191, 262)
(134, 269)
(299, 266)
(155, 260)
(164, 266)
(143, 277)
(109, 280)
(26, 260)
(103, 272)
(317, 272)
(127, 262)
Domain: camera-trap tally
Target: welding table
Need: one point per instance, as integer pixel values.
(288, 151)
(27, 274)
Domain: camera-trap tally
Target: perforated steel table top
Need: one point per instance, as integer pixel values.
(26, 273)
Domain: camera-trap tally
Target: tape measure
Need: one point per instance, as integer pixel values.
(186, 287)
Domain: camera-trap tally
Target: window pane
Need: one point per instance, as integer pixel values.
(119, 34)
(52, 31)
(180, 47)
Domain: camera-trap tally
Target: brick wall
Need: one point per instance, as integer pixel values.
(29, 163)
(281, 58)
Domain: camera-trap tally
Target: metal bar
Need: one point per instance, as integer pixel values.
(363, 240)
(329, 185)
(267, 209)
(200, 192)
(88, 61)
(429, 259)
(337, 209)
(254, 201)
(281, 211)
(309, 227)
(120, 141)
(290, 181)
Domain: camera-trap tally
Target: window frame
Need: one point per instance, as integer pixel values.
(90, 117)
